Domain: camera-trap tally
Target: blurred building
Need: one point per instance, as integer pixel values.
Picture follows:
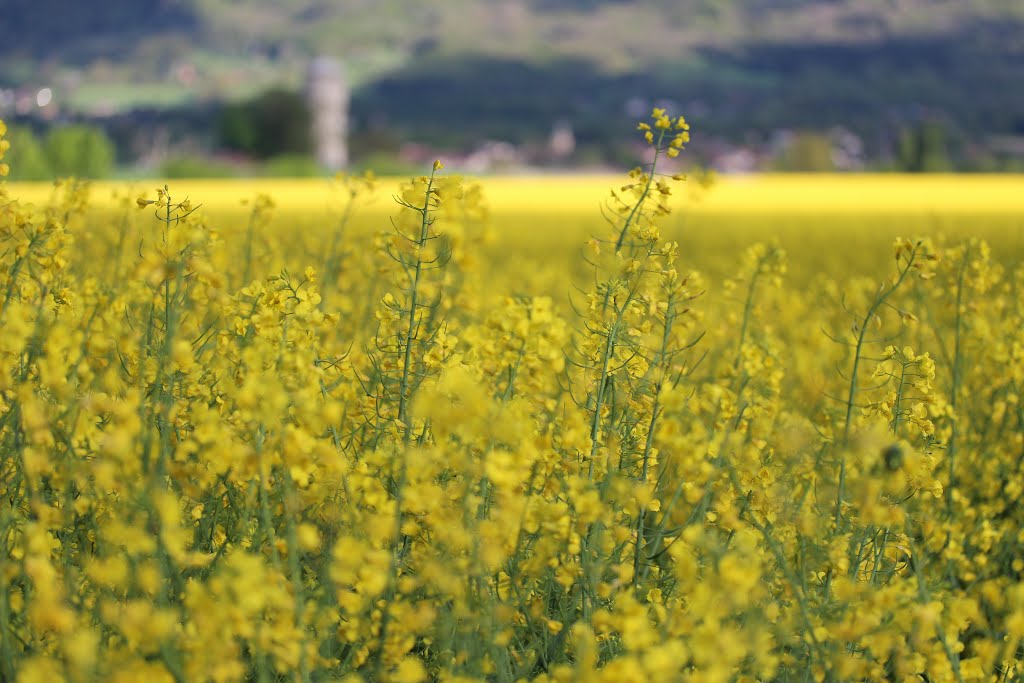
(327, 94)
(562, 142)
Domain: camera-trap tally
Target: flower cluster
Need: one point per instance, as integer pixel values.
(661, 127)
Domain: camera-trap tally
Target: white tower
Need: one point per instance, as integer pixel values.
(328, 96)
(562, 142)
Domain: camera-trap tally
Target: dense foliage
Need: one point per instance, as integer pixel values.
(389, 466)
(82, 151)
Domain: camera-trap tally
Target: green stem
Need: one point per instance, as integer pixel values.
(410, 333)
(955, 389)
(643, 196)
(852, 397)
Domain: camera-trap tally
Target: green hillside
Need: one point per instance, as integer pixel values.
(460, 70)
(232, 42)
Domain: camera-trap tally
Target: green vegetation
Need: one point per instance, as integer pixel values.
(618, 35)
(272, 124)
(808, 152)
(26, 155)
(82, 151)
(924, 149)
(188, 166)
(292, 166)
(79, 150)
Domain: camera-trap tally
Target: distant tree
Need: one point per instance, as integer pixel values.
(26, 157)
(81, 151)
(923, 149)
(187, 166)
(272, 124)
(292, 166)
(237, 128)
(808, 152)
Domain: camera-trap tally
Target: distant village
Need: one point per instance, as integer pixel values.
(147, 138)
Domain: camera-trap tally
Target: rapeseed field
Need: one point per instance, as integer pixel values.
(517, 430)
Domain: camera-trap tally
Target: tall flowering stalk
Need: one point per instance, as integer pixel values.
(411, 340)
(630, 351)
(911, 257)
(617, 309)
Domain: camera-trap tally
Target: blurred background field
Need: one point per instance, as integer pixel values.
(769, 195)
(161, 89)
(827, 223)
(831, 126)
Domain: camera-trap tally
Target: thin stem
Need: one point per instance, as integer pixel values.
(410, 332)
(852, 397)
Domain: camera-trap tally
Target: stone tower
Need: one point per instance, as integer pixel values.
(328, 97)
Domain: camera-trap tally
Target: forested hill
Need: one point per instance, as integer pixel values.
(867, 65)
(137, 35)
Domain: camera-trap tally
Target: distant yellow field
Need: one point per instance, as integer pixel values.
(825, 222)
(791, 194)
